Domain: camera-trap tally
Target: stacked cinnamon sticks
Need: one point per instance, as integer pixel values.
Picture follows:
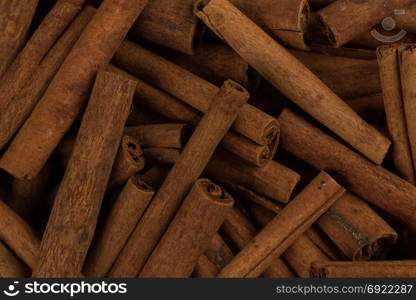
(207, 138)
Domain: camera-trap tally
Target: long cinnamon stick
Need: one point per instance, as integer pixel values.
(188, 168)
(36, 48)
(371, 182)
(252, 123)
(66, 239)
(388, 59)
(16, 16)
(178, 111)
(190, 232)
(124, 215)
(291, 77)
(241, 231)
(61, 103)
(345, 19)
(283, 230)
(373, 269)
(14, 115)
(160, 135)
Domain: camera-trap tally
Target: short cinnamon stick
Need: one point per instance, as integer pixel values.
(185, 172)
(36, 48)
(42, 132)
(371, 182)
(124, 215)
(283, 230)
(66, 239)
(291, 77)
(16, 16)
(373, 269)
(252, 123)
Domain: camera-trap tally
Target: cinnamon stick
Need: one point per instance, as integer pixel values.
(345, 19)
(162, 155)
(124, 215)
(204, 268)
(193, 90)
(358, 231)
(190, 232)
(241, 231)
(16, 16)
(67, 239)
(371, 182)
(388, 59)
(206, 137)
(15, 114)
(160, 135)
(40, 134)
(129, 160)
(27, 61)
(283, 230)
(367, 269)
(291, 77)
(178, 111)
(344, 51)
(285, 20)
(10, 267)
(218, 251)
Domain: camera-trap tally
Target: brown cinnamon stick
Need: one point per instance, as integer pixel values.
(129, 161)
(185, 172)
(252, 123)
(10, 267)
(16, 16)
(291, 77)
(373, 269)
(178, 111)
(14, 115)
(124, 215)
(283, 230)
(241, 231)
(162, 155)
(42, 132)
(344, 51)
(388, 59)
(371, 182)
(218, 251)
(345, 19)
(66, 239)
(36, 48)
(190, 232)
(160, 135)
(204, 268)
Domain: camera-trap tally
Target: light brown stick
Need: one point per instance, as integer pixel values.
(75, 211)
(188, 168)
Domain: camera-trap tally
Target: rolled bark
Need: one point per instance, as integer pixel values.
(10, 267)
(66, 239)
(15, 19)
(178, 111)
(190, 233)
(42, 132)
(388, 58)
(285, 228)
(160, 135)
(241, 231)
(198, 151)
(216, 63)
(291, 77)
(193, 90)
(156, 175)
(19, 236)
(358, 231)
(371, 182)
(25, 195)
(272, 180)
(129, 161)
(345, 19)
(408, 75)
(36, 48)
(367, 269)
(162, 155)
(123, 217)
(15, 114)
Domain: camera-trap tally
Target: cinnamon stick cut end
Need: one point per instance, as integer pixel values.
(133, 152)
(231, 86)
(214, 192)
(327, 31)
(140, 184)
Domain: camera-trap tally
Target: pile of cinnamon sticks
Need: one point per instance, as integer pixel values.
(207, 138)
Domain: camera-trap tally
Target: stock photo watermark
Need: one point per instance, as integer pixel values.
(389, 24)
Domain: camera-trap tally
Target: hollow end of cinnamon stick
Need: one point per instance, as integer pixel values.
(374, 248)
(133, 152)
(140, 184)
(326, 30)
(215, 192)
